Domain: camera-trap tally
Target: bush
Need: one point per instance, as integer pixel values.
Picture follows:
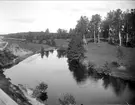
(41, 88)
(67, 99)
(6, 57)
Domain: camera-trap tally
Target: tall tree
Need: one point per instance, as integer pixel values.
(118, 22)
(62, 33)
(47, 31)
(82, 26)
(114, 19)
(95, 25)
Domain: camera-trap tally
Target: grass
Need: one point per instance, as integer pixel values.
(29, 46)
(61, 43)
(104, 52)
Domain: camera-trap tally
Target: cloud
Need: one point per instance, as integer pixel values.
(23, 20)
(75, 10)
(97, 9)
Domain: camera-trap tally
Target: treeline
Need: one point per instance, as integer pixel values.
(118, 27)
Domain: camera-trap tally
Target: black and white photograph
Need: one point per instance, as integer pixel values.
(67, 52)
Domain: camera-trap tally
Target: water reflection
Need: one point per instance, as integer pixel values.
(51, 51)
(79, 73)
(46, 53)
(42, 52)
(61, 53)
(118, 85)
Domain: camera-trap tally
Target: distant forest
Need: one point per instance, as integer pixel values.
(118, 28)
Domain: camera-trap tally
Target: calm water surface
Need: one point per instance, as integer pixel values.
(62, 77)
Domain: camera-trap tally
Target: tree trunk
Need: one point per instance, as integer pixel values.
(94, 35)
(127, 38)
(120, 39)
(109, 36)
(99, 35)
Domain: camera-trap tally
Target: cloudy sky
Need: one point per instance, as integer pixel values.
(24, 16)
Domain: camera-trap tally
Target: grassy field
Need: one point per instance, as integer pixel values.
(29, 46)
(61, 43)
(100, 53)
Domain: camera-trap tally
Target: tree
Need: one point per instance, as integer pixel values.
(62, 33)
(71, 32)
(129, 26)
(82, 26)
(29, 37)
(105, 28)
(118, 20)
(76, 49)
(114, 20)
(95, 25)
(47, 32)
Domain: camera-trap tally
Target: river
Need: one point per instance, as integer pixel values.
(63, 77)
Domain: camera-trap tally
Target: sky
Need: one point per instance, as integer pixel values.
(24, 16)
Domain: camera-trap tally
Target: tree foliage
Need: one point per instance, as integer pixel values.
(76, 49)
(94, 26)
(82, 26)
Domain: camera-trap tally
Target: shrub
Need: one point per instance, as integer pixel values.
(67, 99)
(41, 88)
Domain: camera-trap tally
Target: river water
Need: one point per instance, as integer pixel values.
(63, 77)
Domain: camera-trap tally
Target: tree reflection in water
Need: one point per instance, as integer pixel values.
(42, 52)
(118, 85)
(78, 70)
(51, 51)
(61, 53)
(47, 54)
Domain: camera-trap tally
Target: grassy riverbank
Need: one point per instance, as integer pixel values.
(26, 45)
(106, 55)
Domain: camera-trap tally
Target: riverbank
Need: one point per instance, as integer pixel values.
(23, 49)
(112, 60)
